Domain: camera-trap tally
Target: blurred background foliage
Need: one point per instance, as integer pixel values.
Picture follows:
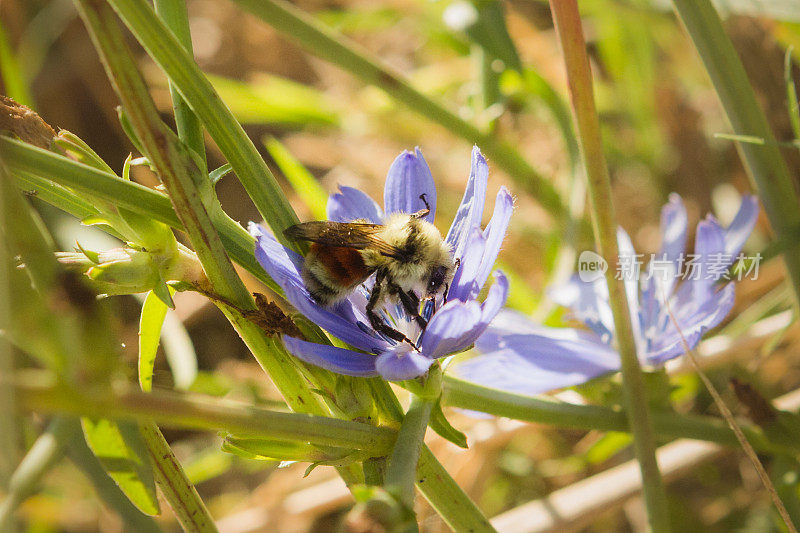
(496, 65)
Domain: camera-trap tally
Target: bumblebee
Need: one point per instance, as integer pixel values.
(407, 254)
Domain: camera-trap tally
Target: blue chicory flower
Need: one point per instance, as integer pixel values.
(520, 356)
(454, 325)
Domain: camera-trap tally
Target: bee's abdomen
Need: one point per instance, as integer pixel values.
(330, 272)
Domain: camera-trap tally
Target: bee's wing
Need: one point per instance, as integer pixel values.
(355, 235)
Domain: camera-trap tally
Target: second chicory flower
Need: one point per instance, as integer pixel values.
(453, 327)
(527, 358)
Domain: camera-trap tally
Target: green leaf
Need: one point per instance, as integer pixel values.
(126, 168)
(94, 220)
(490, 32)
(92, 256)
(302, 181)
(269, 99)
(271, 450)
(152, 318)
(123, 454)
(217, 174)
(80, 151)
(127, 127)
(164, 294)
(442, 426)
(607, 446)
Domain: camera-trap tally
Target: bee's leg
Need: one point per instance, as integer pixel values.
(410, 303)
(377, 323)
(423, 212)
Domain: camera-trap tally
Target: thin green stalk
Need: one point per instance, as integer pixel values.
(763, 162)
(37, 392)
(568, 26)
(190, 510)
(667, 425)
(43, 455)
(190, 130)
(194, 87)
(402, 467)
(337, 49)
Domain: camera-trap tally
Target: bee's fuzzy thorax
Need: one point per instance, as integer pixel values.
(423, 250)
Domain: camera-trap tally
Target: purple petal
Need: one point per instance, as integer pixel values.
(332, 358)
(447, 328)
(692, 325)
(457, 325)
(401, 362)
(495, 300)
(470, 212)
(709, 249)
(664, 269)
(588, 302)
(674, 224)
(408, 178)
(737, 233)
(531, 359)
(464, 287)
(496, 297)
(284, 266)
(286, 263)
(495, 234)
(350, 204)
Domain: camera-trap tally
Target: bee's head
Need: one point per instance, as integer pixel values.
(438, 277)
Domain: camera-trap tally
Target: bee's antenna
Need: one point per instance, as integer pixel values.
(423, 212)
(425, 201)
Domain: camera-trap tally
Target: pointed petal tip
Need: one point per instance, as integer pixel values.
(255, 229)
(401, 362)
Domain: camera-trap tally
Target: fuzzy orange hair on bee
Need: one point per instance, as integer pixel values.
(410, 260)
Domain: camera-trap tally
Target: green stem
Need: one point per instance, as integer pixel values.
(35, 392)
(45, 452)
(190, 130)
(190, 510)
(402, 467)
(433, 480)
(339, 50)
(228, 134)
(667, 425)
(443, 493)
(763, 162)
(568, 26)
